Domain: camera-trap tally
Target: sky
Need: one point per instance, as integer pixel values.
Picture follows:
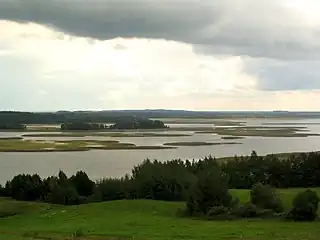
(170, 54)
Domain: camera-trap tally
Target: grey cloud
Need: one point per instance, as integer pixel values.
(281, 75)
(246, 27)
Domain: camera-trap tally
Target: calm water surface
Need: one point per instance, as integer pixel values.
(116, 163)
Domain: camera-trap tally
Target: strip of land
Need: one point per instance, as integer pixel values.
(199, 143)
(260, 132)
(95, 134)
(62, 146)
(232, 137)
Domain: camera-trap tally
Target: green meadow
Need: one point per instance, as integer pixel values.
(141, 219)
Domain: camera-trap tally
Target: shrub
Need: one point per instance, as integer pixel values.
(266, 197)
(249, 210)
(211, 190)
(217, 210)
(80, 232)
(305, 206)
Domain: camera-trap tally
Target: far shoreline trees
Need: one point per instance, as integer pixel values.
(12, 126)
(122, 123)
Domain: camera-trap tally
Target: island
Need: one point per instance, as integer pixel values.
(138, 123)
(121, 124)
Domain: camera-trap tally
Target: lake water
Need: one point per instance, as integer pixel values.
(116, 163)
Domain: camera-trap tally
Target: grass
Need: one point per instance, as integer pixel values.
(74, 145)
(260, 131)
(146, 219)
(199, 143)
(95, 134)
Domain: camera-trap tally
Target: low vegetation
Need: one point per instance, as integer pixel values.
(231, 138)
(66, 145)
(104, 134)
(199, 143)
(143, 219)
(260, 132)
(10, 138)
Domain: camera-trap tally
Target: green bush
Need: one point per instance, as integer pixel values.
(249, 210)
(80, 232)
(217, 210)
(211, 190)
(266, 197)
(305, 206)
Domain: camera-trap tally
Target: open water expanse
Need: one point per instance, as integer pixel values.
(116, 163)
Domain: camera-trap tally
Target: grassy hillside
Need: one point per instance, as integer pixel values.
(142, 219)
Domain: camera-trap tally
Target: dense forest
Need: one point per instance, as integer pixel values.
(112, 116)
(203, 185)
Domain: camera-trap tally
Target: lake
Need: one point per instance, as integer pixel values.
(116, 163)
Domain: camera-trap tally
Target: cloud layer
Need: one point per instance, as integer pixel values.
(215, 54)
(273, 29)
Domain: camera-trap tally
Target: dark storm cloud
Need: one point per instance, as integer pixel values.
(246, 27)
(105, 19)
(281, 75)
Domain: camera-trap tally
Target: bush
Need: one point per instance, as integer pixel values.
(211, 190)
(80, 232)
(305, 206)
(266, 197)
(249, 210)
(217, 210)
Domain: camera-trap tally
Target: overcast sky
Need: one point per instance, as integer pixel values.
(175, 54)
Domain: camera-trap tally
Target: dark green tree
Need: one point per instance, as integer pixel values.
(83, 184)
(211, 190)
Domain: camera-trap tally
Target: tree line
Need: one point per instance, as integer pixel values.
(204, 185)
(94, 116)
(12, 126)
(123, 123)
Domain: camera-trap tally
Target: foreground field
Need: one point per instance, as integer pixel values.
(142, 219)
